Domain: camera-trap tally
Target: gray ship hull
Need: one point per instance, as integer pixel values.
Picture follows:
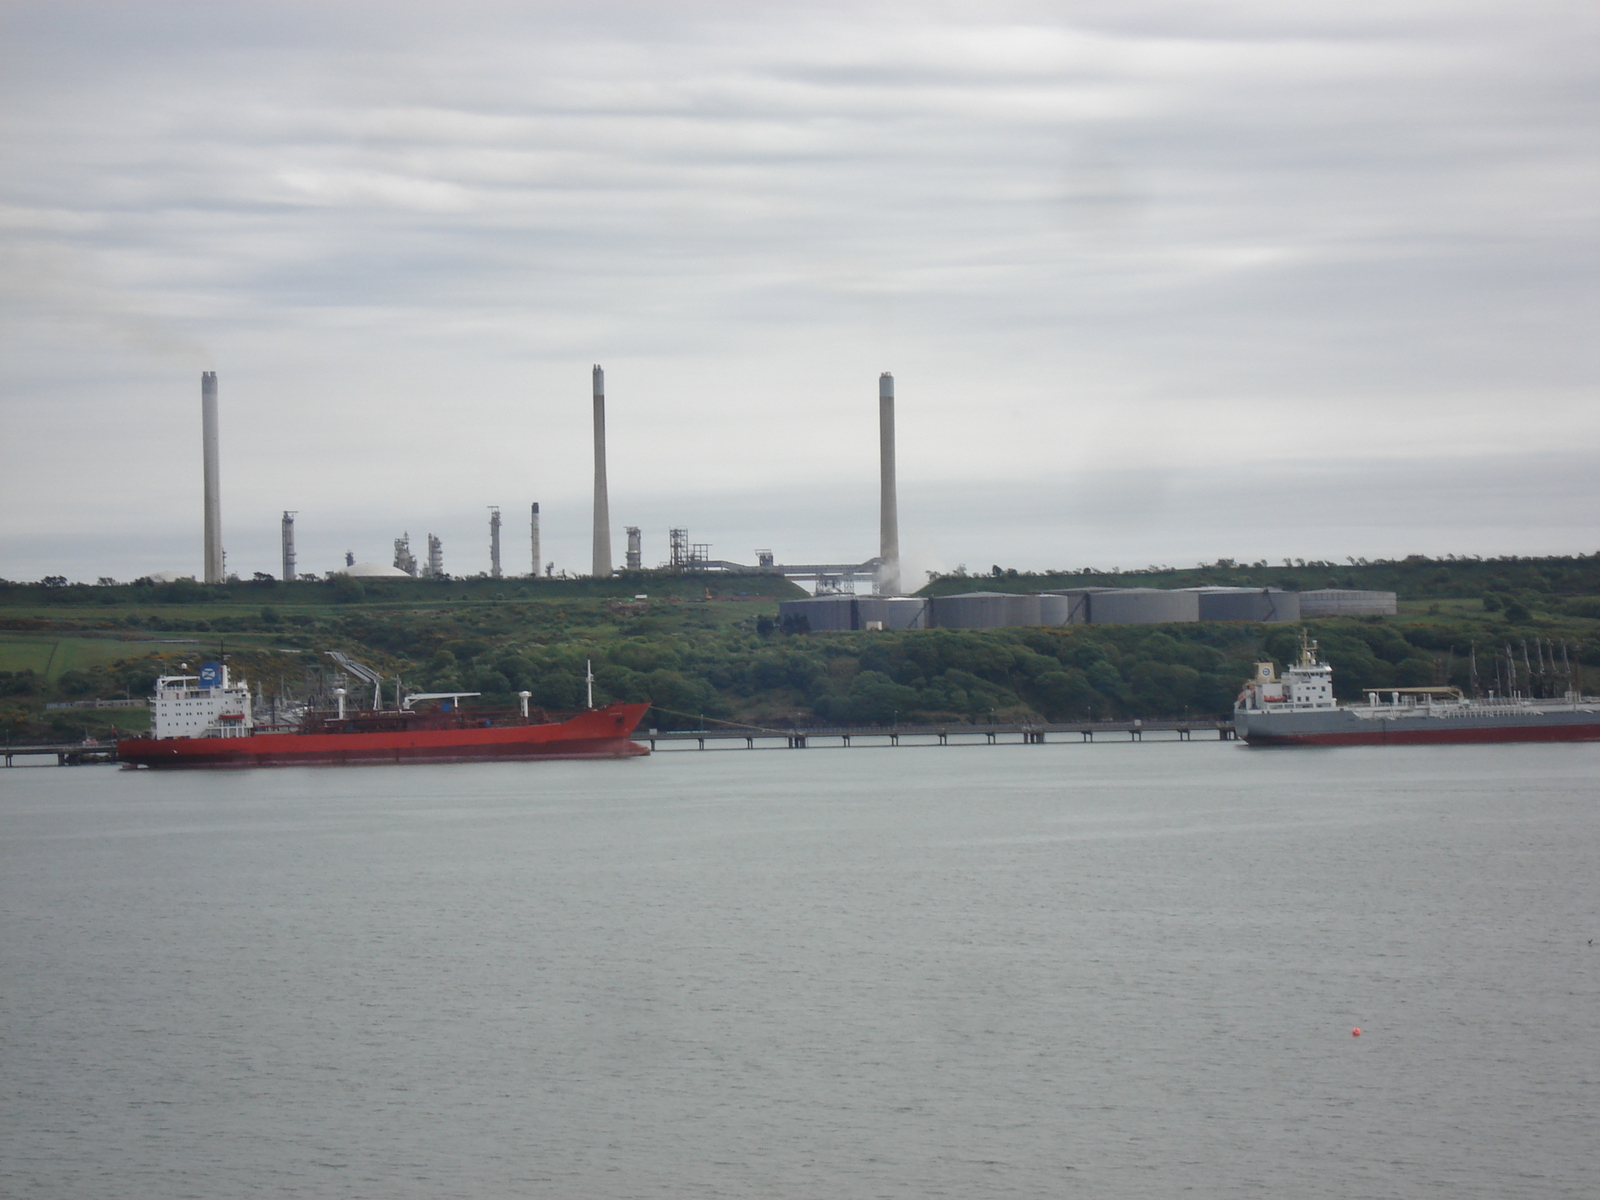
(1421, 725)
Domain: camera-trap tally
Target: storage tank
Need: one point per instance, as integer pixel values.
(1055, 610)
(840, 614)
(983, 610)
(1066, 606)
(1348, 602)
(822, 614)
(370, 570)
(1143, 606)
(1247, 604)
(895, 612)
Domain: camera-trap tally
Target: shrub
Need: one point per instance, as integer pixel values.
(75, 683)
(19, 683)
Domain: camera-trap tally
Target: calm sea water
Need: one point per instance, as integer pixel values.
(1096, 971)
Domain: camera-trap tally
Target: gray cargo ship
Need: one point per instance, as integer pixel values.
(1298, 709)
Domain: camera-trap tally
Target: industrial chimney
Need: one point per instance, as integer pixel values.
(533, 532)
(602, 506)
(215, 569)
(288, 545)
(888, 506)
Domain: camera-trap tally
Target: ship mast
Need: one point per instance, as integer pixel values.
(1308, 649)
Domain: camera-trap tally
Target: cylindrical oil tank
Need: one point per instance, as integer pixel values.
(821, 614)
(983, 610)
(1348, 602)
(1055, 610)
(839, 614)
(1066, 606)
(1247, 604)
(894, 612)
(1143, 606)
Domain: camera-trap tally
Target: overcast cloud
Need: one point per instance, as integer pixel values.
(1158, 282)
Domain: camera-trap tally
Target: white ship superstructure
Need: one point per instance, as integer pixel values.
(206, 705)
(1305, 687)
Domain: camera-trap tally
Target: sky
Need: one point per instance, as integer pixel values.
(1160, 282)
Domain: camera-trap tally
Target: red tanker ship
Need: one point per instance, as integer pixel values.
(206, 721)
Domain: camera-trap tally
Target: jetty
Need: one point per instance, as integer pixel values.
(847, 737)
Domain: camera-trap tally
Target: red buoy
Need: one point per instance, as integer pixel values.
(1355, 1033)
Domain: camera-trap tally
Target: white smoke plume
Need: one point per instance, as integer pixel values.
(51, 284)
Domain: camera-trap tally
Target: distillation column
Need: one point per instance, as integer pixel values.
(494, 541)
(288, 546)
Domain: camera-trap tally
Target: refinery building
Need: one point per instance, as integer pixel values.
(836, 607)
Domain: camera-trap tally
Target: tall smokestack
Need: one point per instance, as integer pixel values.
(888, 505)
(533, 532)
(602, 504)
(215, 569)
(288, 546)
(494, 541)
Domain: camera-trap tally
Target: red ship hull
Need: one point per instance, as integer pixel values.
(602, 733)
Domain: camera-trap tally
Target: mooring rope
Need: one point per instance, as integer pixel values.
(702, 718)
